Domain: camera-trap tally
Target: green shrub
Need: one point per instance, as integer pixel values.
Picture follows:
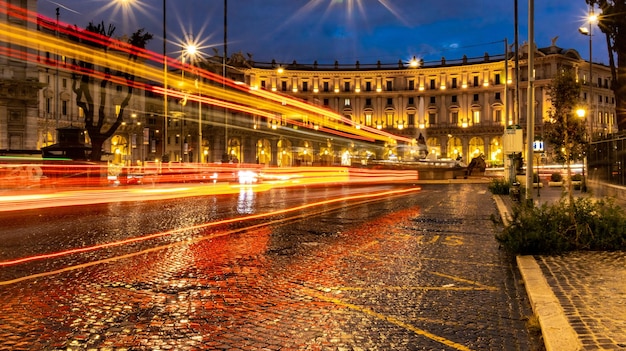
(556, 177)
(584, 225)
(499, 186)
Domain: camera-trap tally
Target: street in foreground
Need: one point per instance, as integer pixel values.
(418, 270)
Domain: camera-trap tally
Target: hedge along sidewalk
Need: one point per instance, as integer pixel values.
(558, 334)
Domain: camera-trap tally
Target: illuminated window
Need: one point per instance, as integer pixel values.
(346, 102)
(389, 117)
(118, 108)
(368, 119)
(476, 116)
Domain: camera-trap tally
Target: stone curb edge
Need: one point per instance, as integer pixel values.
(558, 334)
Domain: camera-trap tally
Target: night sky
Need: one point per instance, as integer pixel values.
(342, 30)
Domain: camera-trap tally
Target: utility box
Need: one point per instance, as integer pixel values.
(512, 145)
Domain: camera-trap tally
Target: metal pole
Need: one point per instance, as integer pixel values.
(224, 77)
(530, 119)
(591, 112)
(164, 143)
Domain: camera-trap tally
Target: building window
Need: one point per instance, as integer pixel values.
(326, 102)
(497, 116)
(432, 84)
(389, 101)
(432, 117)
(368, 119)
(346, 102)
(497, 79)
(411, 84)
(476, 117)
(48, 105)
(64, 82)
(433, 100)
(283, 86)
(389, 116)
(368, 102)
(454, 83)
(263, 84)
(64, 108)
(497, 96)
(346, 86)
(454, 117)
(368, 86)
(389, 85)
(411, 101)
(454, 99)
(475, 97)
(476, 81)
(411, 119)
(305, 86)
(326, 87)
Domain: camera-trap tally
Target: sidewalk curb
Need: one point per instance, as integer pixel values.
(558, 334)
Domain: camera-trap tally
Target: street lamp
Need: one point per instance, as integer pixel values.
(591, 19)
(191, 50)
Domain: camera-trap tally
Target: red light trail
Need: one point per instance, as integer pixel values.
(206, 225)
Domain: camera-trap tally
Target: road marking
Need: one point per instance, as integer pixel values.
(390, 319)
(487, 287)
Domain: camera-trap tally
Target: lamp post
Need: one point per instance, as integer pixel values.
(191, 51)
(226, 151)
(591, 19)
(165, 141)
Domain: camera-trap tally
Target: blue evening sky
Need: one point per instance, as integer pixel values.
(342, 30)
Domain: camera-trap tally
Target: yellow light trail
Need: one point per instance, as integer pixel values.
(252, 101)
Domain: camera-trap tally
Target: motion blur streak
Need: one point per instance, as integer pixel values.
(238, 97)
(51, 185)
(207, 225)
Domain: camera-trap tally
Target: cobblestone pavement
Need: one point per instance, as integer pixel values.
(591, 289)
(589, 293)
(418, 272)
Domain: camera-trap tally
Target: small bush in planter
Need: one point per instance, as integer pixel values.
(556, 177)
(499, 187)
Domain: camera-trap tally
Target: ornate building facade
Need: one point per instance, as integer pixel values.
(460, 108)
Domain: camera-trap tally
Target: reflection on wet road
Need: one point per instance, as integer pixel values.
(318, 268)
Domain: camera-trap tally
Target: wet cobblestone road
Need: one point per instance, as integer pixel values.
(415, 272)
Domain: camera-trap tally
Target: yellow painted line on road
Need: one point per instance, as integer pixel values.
(390, 319)
(425, 288)
(386, 257)
(464, 280)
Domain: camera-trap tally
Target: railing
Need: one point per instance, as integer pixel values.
(606, 160)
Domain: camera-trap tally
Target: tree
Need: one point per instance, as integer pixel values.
(612, 23)
(85, 79)
(565, 131)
